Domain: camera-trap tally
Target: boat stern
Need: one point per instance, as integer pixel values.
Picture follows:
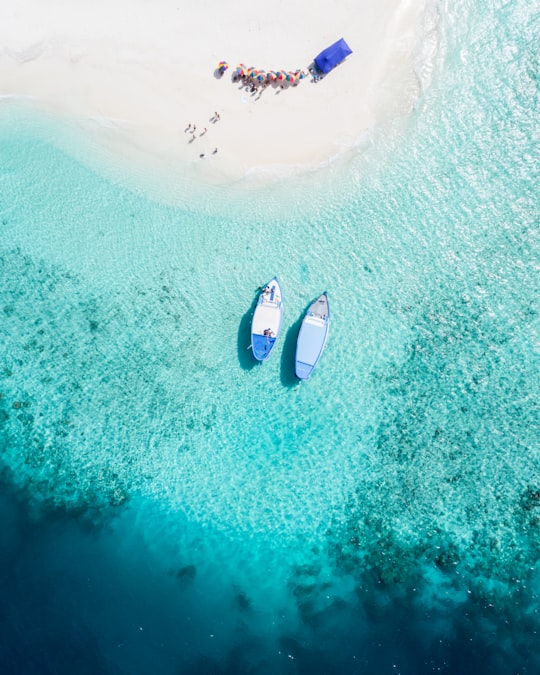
(262, 345)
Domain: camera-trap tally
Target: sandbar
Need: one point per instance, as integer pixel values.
(135, 74)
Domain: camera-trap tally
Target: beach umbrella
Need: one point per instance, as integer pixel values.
(281, 75)
(301, 75)
(290, 77)
(269, 77)
(261, 77)
(222, 66)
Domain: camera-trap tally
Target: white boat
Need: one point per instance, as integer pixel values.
(312, 337)
(266, 322)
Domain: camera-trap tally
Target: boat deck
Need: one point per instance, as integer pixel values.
(319, 308)
(267, 314)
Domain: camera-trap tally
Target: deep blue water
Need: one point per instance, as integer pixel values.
(170, 507)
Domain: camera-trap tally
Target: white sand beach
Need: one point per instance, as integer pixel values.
(135, 74)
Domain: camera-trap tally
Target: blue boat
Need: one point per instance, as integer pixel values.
(266, 322)
(312, 337)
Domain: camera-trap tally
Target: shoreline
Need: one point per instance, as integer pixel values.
(100, 71)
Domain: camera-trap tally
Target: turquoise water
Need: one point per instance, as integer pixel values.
(170, 506)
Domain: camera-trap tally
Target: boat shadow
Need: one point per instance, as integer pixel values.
(245, 355)
(287, 374)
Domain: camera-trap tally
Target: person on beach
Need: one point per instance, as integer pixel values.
(188, 127)
(214, 151)
(203, 132)
(217, 117)
(201, 155)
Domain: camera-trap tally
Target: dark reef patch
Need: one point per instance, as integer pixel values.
(186, 574)
(80, 390)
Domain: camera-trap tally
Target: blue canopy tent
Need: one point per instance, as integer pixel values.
(331, 56)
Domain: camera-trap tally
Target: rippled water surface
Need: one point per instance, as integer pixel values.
(169, 506)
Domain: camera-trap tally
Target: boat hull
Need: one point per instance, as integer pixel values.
(266, 322)
(312, 337)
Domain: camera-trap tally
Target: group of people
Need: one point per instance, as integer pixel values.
(191, 129)
(254, 78)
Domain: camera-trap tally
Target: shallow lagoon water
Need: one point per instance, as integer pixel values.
(170, 506)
